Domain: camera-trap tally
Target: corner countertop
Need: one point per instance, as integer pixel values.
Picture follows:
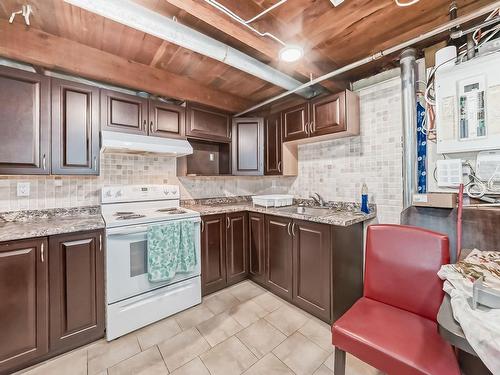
(343, 213)
(18, 225)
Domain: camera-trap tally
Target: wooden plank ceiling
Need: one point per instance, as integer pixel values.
(331, 36)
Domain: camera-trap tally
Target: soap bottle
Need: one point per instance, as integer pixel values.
(364, 199)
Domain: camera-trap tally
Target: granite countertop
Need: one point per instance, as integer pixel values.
(17, 225)
(343, 213)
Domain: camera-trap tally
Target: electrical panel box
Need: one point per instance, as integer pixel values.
(468, 105)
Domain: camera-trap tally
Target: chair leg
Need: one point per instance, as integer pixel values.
(339, 362)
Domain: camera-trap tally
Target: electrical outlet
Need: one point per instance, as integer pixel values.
(23, 189)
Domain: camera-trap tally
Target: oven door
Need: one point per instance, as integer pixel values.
(127, 262)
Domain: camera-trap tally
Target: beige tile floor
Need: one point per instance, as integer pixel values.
(240, 330)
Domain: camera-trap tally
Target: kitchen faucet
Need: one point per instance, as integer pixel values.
(318, 199)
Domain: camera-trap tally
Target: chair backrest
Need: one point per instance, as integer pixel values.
(401, 267)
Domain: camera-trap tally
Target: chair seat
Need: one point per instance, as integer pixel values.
(393, 340)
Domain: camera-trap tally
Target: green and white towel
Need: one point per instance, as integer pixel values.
(171, 250)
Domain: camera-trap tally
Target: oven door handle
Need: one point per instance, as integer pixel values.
(135, 230)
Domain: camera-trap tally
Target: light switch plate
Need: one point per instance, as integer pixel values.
(23, 189)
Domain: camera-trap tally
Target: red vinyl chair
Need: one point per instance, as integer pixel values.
(393, 326)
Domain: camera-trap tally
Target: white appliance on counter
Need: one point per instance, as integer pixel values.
(132, 301)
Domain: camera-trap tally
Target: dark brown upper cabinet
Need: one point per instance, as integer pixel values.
(75, 128)
(24, 307)
(124, 113)
(24, 122)
(76, 267)
(208, 123)
(328, 115)
(295, 122)
(236, 247)
(248, 146)
(312, 259)
(166, 120)
(273, 139)
(256, 247)
(279, 245)
(213, 253)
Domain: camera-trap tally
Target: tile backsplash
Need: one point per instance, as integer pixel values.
(337, 169)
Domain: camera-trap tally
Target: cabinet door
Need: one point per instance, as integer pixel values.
(312, 267)
(248, 146)
(24, 302)
(295, 122)
(213, 253)
(76, 290)
(208, 123)
(75, 128)
(328, 115)
(236, 247)
(124, 113)
(24, 122)
(166, 120)
(256, 246)
(272, 145)
(279, 245)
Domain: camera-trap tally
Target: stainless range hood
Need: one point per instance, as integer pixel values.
(133, 143)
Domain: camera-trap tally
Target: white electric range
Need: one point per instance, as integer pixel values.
(133, 301)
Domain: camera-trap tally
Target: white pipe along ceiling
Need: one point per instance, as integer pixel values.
(133, 15)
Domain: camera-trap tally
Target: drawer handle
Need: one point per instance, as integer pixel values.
(44, 165)
(42, 251)
(279, 166)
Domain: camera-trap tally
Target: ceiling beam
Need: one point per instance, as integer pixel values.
(270, 49)
(46, 50)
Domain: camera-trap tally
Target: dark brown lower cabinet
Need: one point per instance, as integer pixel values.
(312, 259)
(317, 267)
(224, 251)
(24, 304)
(76, 290)
(52, 297)
(256, 247)
(236, 247)
(213, 253)
(279, 245)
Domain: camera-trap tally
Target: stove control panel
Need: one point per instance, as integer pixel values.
(138, 193)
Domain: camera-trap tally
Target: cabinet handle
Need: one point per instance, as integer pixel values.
(95, 163)
(279, 166)
(288, 229)
(44, 165)
(100, 242)
(307, 128)
(202, 226)
(151, 128)
(293, 229)
(313, 127)
(228, 223)
(143, 125)
(42, 251)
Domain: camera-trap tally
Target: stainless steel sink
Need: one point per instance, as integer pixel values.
(309, 211)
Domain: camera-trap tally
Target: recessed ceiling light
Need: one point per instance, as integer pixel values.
(291, 53)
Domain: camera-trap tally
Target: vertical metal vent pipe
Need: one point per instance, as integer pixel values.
(409, 101)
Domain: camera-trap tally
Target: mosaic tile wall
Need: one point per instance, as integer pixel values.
(337, 169)
(74, 191)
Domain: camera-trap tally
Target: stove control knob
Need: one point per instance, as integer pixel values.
(174, 191)
(107, 194)
(118, 193)
(166, 192)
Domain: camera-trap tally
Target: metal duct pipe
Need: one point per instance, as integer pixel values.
(409, 100)
(133, 15)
